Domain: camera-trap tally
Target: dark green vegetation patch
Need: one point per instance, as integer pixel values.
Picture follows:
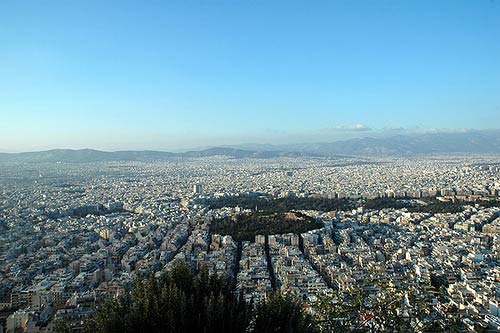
(185, 302)
(281, 204)
(246, 226)
(271, 205)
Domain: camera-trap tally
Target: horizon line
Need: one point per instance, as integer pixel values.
(370, 134)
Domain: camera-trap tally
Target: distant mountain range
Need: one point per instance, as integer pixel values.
(91, 155)
(473, 142)
(477, 142)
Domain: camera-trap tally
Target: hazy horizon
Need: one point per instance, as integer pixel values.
(323, 136)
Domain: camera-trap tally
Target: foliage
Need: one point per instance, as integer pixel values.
(246, 226)
(491, 203)
(269, 205)
(62, 327)
(431, 206)
(382, 203)
(282, 314)
(382, 308)
(282, 204)
(434, 207)
(185, 302)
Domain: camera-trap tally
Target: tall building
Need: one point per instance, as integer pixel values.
(197, 189)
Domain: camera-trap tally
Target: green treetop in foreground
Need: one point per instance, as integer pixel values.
(185, 302)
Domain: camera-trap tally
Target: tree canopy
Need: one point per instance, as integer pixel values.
(246, 226)
(185, 302)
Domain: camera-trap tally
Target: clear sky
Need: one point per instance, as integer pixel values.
(177, 74)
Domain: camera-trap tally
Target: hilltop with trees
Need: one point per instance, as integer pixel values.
(244, 227)
(182, 301)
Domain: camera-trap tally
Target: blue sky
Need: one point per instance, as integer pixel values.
(177, 74)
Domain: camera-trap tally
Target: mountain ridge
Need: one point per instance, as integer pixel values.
(93, 155)
(477, 142)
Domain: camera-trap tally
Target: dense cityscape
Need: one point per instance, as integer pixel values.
(222, 166)
(73, 235)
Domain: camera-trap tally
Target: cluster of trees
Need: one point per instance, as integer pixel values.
(246, 226)
(388, 310)
(431, 205)
(185, 302)
(435, 206)
(182, 301)
(286, 204)
(491, 203)
(269, 205)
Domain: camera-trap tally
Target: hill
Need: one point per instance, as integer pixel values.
(92, 155)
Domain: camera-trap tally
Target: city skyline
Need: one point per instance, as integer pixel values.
(249, 166)
(182, 75)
